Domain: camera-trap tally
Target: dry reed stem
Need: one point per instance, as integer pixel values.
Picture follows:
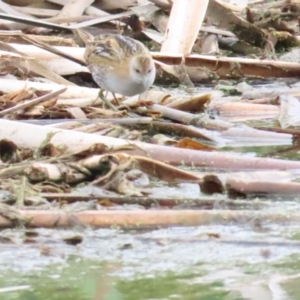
(150, 218)
(32, 102)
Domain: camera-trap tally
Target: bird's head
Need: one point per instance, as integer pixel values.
(142, 70)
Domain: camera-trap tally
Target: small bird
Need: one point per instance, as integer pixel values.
(119, 64)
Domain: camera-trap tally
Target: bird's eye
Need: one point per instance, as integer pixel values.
(137, 70)
(149, 70)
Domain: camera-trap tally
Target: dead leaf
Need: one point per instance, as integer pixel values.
(189, 143)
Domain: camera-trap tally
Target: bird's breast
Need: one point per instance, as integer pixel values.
(113, 82)
(124, 85)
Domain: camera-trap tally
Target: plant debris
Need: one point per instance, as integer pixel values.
(62, 148)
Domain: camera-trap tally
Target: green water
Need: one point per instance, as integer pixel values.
(178, 263)
(89, 280)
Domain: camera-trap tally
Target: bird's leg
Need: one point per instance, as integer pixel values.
(116, 99)
(105, 101)
(102, 97)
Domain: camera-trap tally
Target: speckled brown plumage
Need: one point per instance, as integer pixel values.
(120, 64)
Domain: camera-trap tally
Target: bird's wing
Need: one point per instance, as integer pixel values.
(130, 46)
(113, 47)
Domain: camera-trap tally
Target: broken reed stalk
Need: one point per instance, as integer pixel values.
(77, 141)
(191, 119)
(220, 240)
(32, 102)
(263, 187)
(148, 218)
(50, 25)
(207, 202)
(120, 121)
(221, 65)
(184, 23)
